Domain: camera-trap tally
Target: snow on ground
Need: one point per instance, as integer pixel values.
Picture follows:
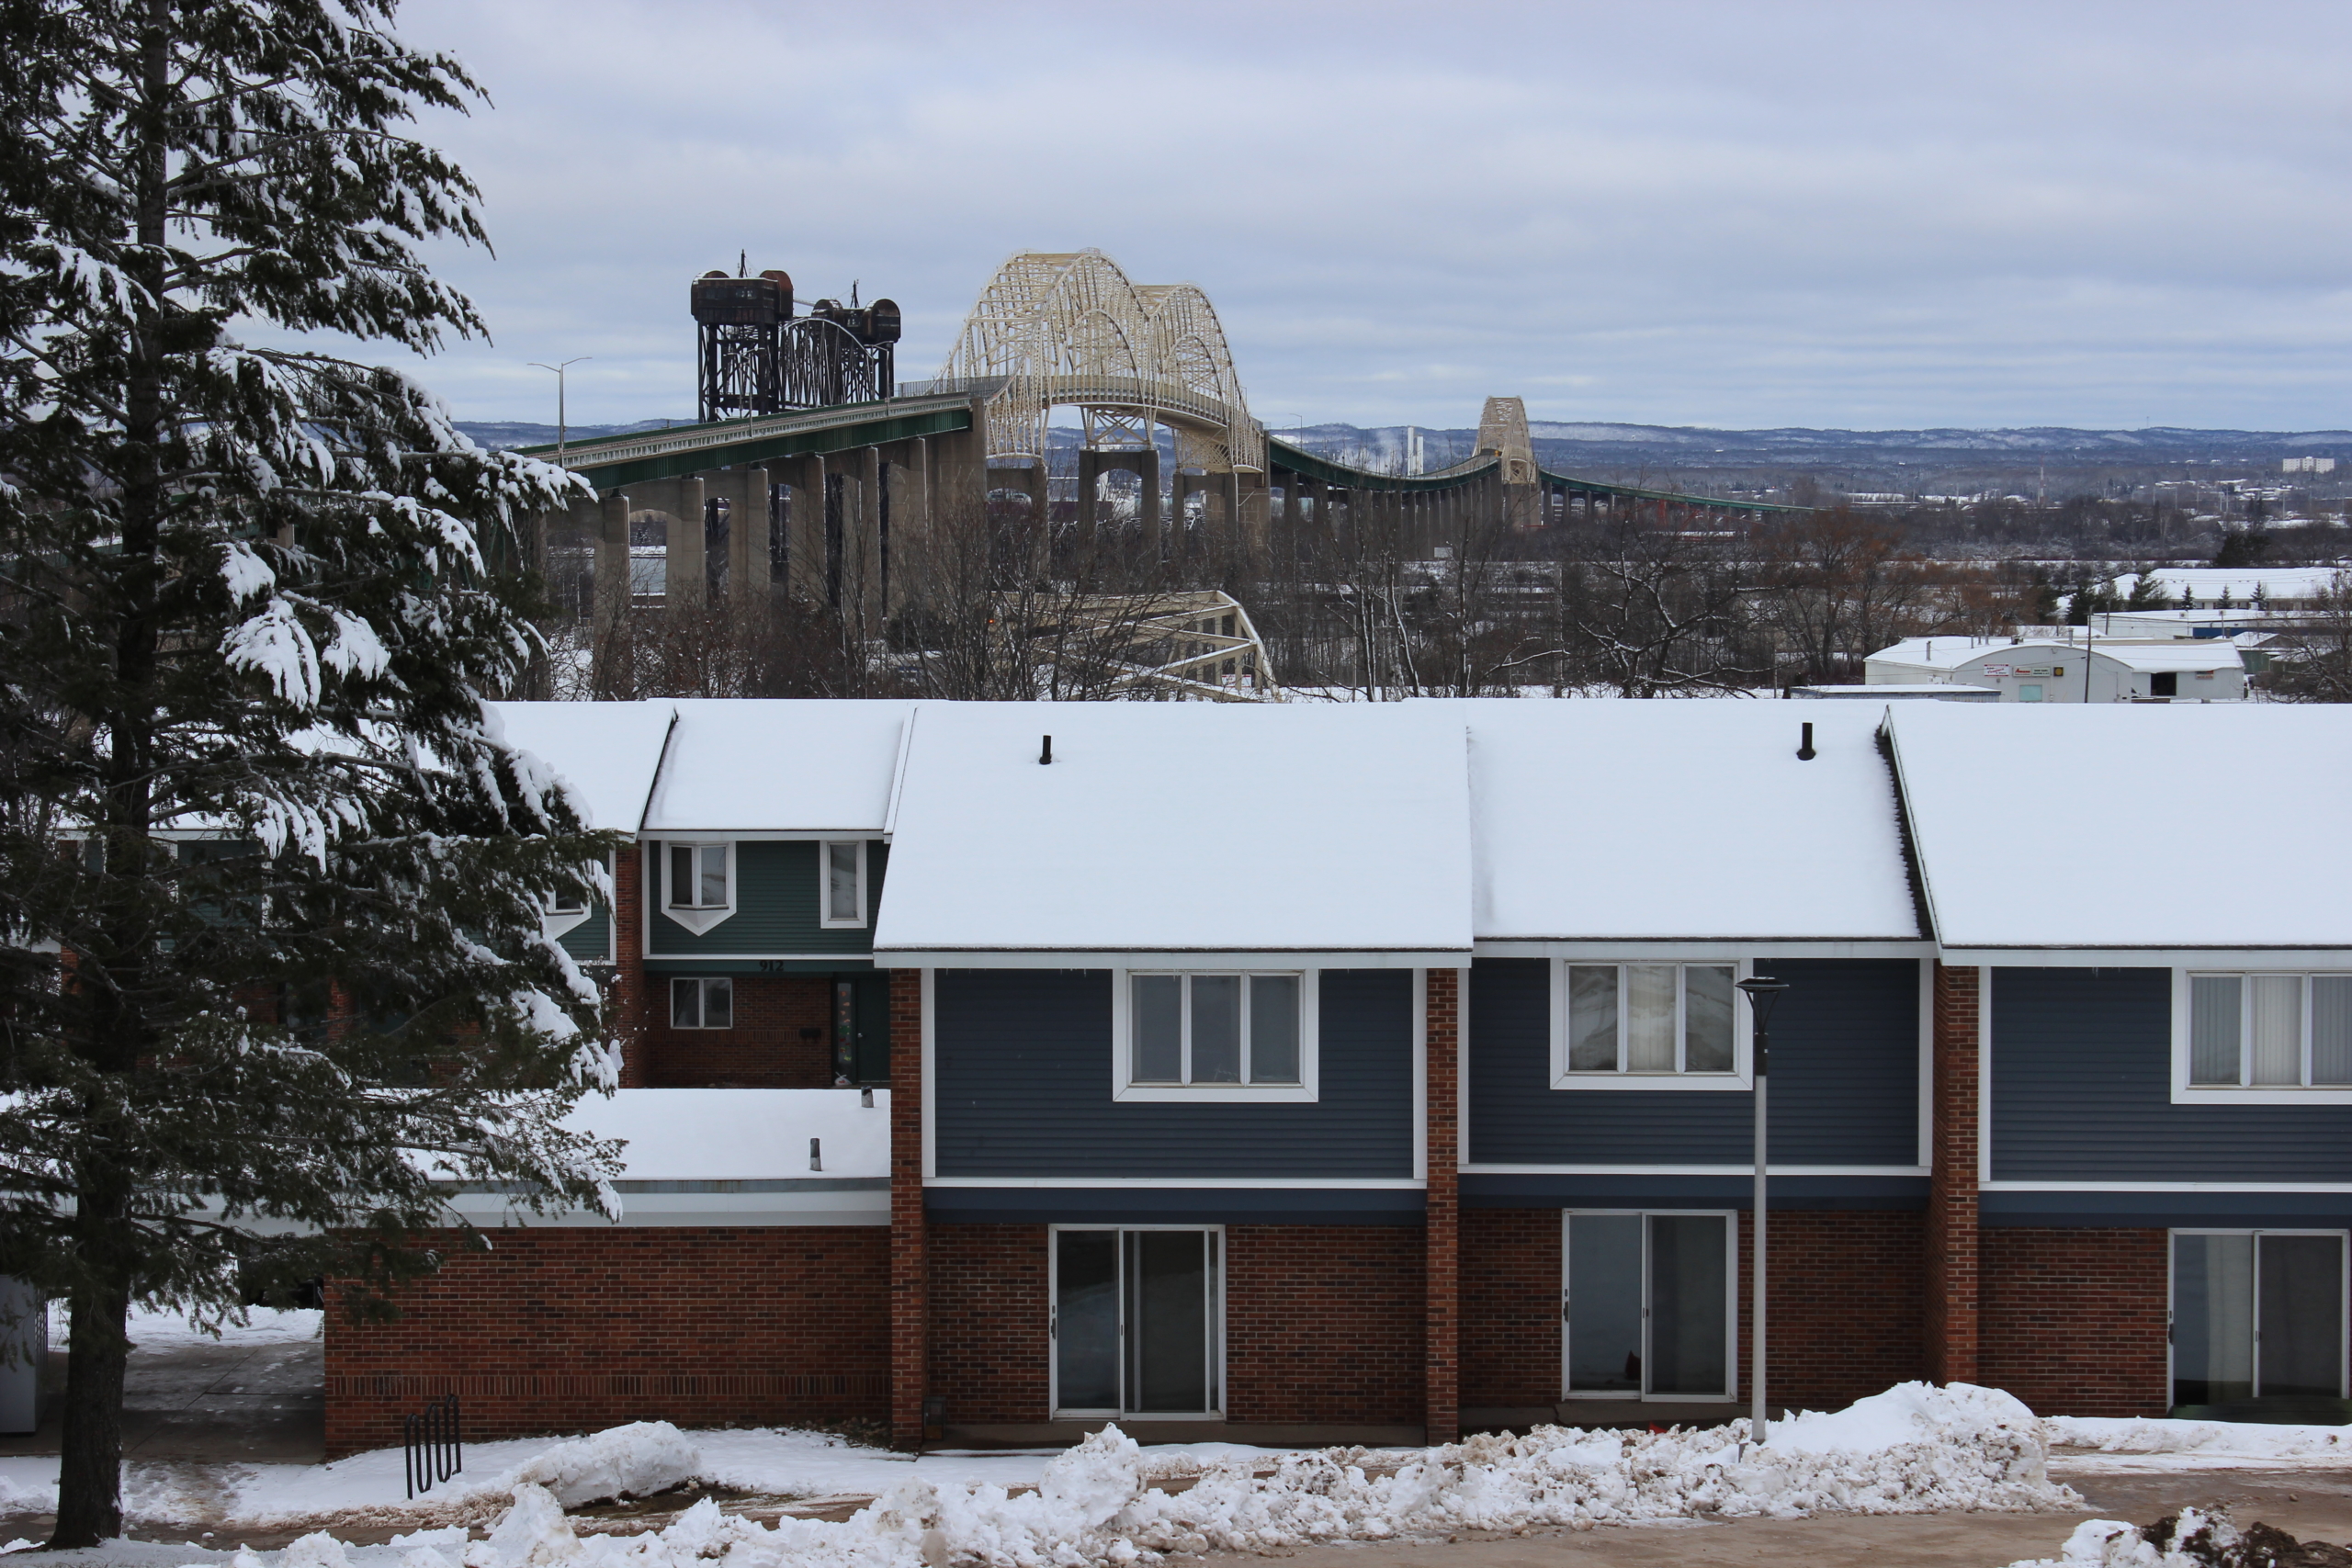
(1913, 1449)
(2128, 1445)
(152, 1330)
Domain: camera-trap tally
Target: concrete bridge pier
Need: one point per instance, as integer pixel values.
(745, 492)
(680, 502)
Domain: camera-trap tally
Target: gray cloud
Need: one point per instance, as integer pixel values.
(1738, 214)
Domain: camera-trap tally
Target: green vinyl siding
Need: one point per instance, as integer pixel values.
(591, 941)
(776, 908)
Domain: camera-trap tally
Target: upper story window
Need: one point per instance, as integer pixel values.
(1647, 1025)
(842, 873)
(698, 884)
(2285, 1032)
(1207, 1034)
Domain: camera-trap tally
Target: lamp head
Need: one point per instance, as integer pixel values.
(1762, 992)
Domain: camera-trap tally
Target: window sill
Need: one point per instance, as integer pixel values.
(2268, 1094)
(1672, 1083)
(698, 920)
(1215, 1094)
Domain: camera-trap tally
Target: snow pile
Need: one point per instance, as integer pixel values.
(2233, 1443)
(635, 1461)
(1910, 1450)
(2191, 1539)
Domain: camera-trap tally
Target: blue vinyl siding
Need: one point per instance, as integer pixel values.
(776, 906)
(2082, 1092)
(1022, 1068)
(1845, 1078)
(591, 941)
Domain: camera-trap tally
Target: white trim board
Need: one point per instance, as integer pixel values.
(1140, 1183)
(1675, 947)
(2164, 1186)
(1748, 1171)
(1160, 958)
(2301, 958)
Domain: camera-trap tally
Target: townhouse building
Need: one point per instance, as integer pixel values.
(1380, 1072)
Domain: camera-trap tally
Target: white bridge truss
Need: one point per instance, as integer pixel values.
(1071, 330)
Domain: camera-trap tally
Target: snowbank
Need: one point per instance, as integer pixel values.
(2192, 1539)
(2191, 1444)
(1910, 1450)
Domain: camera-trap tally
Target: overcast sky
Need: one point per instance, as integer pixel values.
(1755, 214)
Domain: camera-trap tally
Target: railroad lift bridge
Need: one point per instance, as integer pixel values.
(818, 464)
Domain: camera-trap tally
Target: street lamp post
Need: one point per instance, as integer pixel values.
(561, 425)
(1763, 991)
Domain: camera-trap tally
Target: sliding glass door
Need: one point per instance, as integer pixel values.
(1137, 1321)
(1646, 1310)
(2257, 1314)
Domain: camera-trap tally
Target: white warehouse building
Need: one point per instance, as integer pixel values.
(2182, 669)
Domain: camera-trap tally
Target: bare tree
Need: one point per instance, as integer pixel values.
(2313, 664)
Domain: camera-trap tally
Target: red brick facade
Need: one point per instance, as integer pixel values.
(1954, 1255)
(1322, 1323)
(2073, 1321)
(782, 1038)
(909, 1296)
(1441, 1392)
(574, 1328)
(1847, 1314)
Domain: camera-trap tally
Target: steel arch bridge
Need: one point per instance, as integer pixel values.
(817, 496)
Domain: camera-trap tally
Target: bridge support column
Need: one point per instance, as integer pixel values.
(688, 572)
(1089, 480)
(1147, 498)
(910, 521)
(812, 532)
(745, 491)
(866, 560)
(612, 593)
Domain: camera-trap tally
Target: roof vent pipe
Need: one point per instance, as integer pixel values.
(815, 1159)
(1048, 754)
(1805, 753)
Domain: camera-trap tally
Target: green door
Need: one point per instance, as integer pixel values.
(861, 1029)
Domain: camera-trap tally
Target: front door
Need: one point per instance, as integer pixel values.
(2256, 1314)
(1137, 1322)
(1646, 1305)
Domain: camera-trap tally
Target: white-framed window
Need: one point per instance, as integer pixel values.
(2262, 1037)
(697, 883)
(1136, 1316)
(1647, 1024)
(1191, 1035)
(702, 1001)
(840, 881)
(1646, 1307)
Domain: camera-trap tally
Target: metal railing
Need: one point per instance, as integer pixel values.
(433, 1449)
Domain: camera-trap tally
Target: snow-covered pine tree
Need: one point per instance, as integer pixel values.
(270, 883)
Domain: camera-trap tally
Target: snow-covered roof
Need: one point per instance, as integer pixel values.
(2176, 654)
(606, 753)
(1951, 652)
(1666, 820)
(779, 765)
(1180, 827)
(2144, 806)
(740, 1135)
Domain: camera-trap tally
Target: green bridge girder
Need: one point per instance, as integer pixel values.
(1281, 454)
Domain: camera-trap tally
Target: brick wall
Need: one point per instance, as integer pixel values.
(1847, 1317)
(1510, 1296)
(1953, 1259)
(1324, 1323)
(568, 1330)
(909, 1287)
(768, 1047)
(625, 999)
(2073, 1320)
(987, 1345)
(1848, 1313)
(1442, 1335)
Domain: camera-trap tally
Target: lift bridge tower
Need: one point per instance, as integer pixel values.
(756, 357)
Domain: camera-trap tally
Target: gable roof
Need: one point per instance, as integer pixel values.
(1684, 820)
(1181, 827)
(753, 764)
(607, 753)
(2166, 825)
